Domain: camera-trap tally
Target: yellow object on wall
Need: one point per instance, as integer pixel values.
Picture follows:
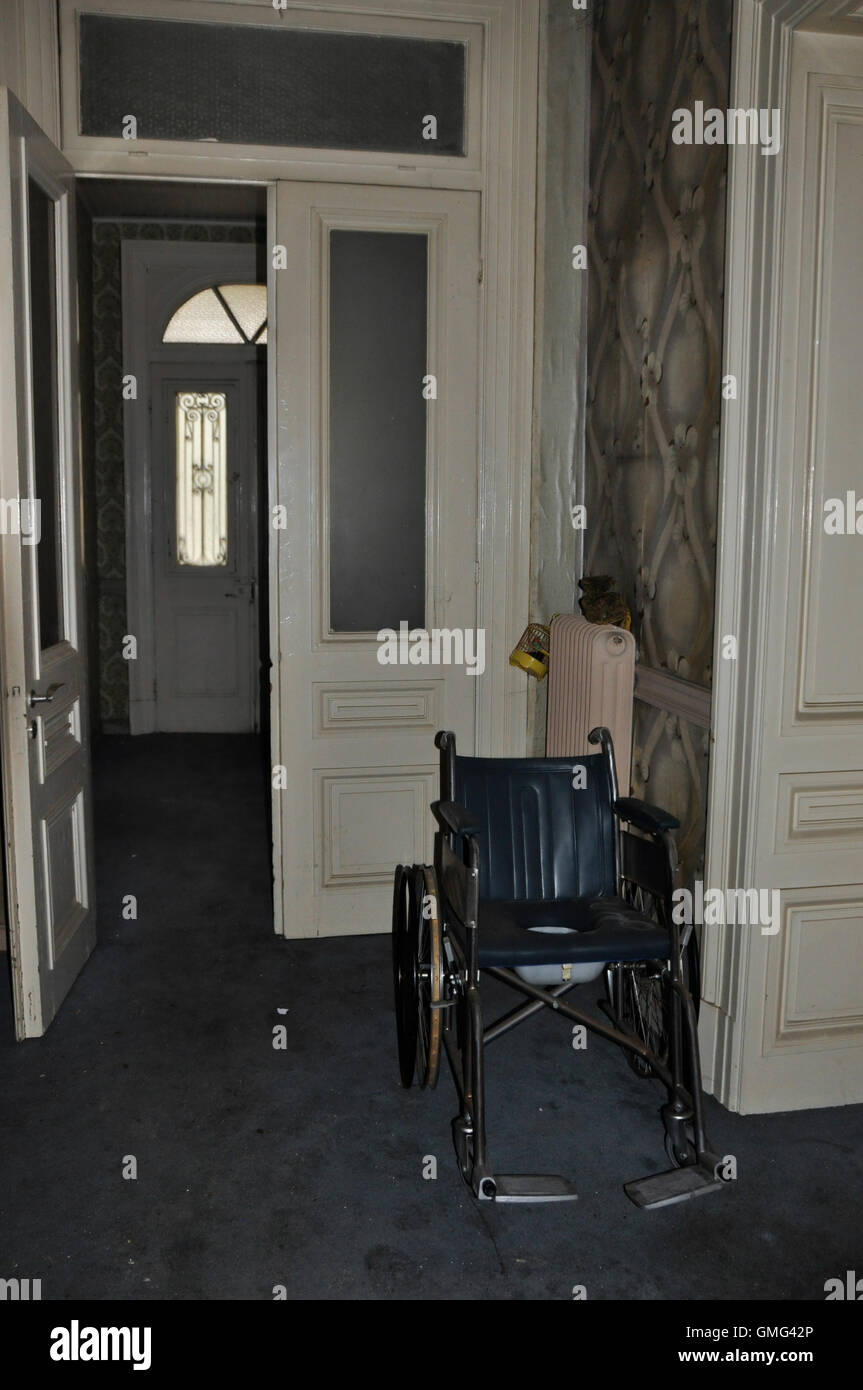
(530, 652)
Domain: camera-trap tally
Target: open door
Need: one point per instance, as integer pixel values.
(47, 818)
(374, 394)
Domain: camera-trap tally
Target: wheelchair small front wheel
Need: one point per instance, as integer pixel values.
(681, 1156)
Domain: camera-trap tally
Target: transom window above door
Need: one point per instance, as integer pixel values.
(221, 314)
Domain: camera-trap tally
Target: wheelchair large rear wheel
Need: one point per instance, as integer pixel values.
(429, 979)
(404, 941)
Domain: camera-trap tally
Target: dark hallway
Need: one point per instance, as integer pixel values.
(302, 1167)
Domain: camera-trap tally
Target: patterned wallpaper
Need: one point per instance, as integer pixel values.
(113, 676)
(656, 243)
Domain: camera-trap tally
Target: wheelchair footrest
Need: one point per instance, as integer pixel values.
(533, 1187)
(677, 1185)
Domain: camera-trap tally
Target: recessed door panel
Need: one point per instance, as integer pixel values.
(201, 639)
(64, 849)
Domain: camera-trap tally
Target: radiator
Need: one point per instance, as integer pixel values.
(591, 681)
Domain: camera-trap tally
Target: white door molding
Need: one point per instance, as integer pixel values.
(760, 78)
(507, 178)
(506, 369)
(502, 110)
(157, 276)
(473, 23)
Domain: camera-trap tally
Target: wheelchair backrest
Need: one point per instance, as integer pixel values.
(540, 837)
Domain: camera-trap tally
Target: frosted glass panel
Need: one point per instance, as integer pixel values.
(202, 484)
(377, 430)
(202, 319)
(263, 84)
(224, 314)
(43, 347)
(248, 304)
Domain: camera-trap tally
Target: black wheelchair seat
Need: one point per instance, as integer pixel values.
(545, 829)
(586, 930)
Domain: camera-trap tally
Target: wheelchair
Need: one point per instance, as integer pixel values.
(544, 878)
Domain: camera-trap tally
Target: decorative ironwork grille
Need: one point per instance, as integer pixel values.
(202, 480)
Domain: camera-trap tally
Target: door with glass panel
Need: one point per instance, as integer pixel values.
(205, 539)
(45, 741)
(373, 592)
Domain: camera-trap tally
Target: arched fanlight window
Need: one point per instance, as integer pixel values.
(222, 314)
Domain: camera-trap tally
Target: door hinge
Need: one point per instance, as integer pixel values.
(476, 573)
(481, 271)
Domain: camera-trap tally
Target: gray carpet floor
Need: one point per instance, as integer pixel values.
(303, 1167)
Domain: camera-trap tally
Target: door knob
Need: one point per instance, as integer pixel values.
(47, 698)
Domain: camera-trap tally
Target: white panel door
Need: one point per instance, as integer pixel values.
(803, 989)
(46, 758)
(205, 544)
(376, 294)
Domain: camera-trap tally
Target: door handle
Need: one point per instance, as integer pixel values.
(47, 698)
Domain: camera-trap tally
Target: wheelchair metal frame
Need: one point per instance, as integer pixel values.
(652, 864)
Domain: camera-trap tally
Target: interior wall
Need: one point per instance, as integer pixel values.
(30, 59)
(560, 363)
(656, 239)
(109, 471)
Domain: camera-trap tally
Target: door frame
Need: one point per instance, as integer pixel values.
(196, 265)
(502, 103)
(502, 98)
(749, 476)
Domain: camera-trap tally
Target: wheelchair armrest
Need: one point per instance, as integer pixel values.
(454, 818)
(651, 819)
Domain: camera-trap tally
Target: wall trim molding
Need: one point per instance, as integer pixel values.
(667, 691)
(760, 77)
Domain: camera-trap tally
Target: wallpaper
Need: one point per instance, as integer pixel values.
(656, 245)
(109, 481)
